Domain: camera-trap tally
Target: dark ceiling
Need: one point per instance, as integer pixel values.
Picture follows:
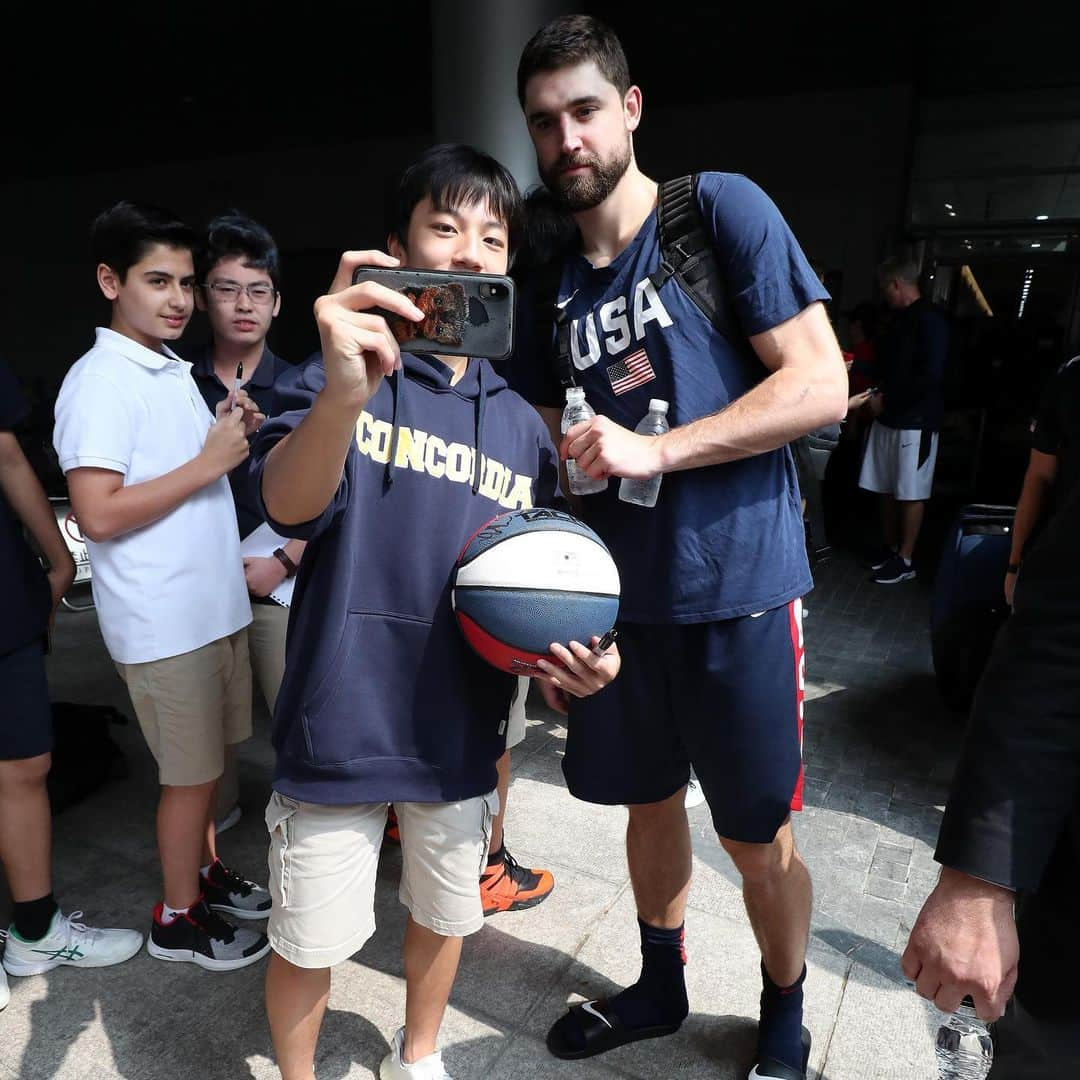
(101, 86)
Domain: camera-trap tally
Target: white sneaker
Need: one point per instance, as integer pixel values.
(5, 993)
(72, 943)
(694, 795)
(427, 1068)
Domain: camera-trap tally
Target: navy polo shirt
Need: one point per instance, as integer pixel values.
(261, 387)
(23, 585)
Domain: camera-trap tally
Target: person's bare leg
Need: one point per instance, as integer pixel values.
(228, 788)
(778, 896)
(911, 519)
(503, 790)
(890, 526)
(26, 827)
(431, 962)
(659, 855)
(182, 835)
(296, 1000)
(209, 851)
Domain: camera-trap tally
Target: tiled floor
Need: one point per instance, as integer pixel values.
(879, 750)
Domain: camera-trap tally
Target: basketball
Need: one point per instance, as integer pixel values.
(529, 578)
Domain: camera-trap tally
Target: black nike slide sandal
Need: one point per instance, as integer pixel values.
(768, 1068)
(600, 1029)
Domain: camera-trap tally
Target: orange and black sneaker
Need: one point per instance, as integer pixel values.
(505, 886)
(392, 831)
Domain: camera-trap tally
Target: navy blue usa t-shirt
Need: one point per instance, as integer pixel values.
(723, 540)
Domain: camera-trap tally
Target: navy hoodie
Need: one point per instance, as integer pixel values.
(382, 699)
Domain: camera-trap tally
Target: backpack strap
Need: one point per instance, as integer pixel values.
(548, 314)
(687, 253)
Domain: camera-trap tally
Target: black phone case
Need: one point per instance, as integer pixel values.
(466, 314)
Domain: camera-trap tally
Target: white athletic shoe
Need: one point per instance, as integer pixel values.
(694, 795)
(5, 993)
(72, 943)
(427, 1068)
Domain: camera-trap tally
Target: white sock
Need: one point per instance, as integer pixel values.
(205, 871)
(168, 914)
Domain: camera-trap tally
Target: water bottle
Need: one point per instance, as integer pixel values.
(578, 409)
(964, 1049)
(645, 492)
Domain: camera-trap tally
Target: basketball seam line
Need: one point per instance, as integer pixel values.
(458, 587)
(503, 539)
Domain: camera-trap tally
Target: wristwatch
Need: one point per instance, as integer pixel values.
(1012, 568)
(290, 566)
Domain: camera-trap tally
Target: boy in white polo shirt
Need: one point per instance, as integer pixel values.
(146, 467)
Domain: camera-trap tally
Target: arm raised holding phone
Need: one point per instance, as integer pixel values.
(304, 470)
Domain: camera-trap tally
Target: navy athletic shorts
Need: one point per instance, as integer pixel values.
(25, 716)
(725, 697)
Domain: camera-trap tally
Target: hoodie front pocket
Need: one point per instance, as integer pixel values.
(363, 706)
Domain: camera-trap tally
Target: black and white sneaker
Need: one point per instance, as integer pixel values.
(201, 936)
(880, 557)
(230, 893)
(897, 569)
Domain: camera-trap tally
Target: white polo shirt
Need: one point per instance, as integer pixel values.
(178, 583)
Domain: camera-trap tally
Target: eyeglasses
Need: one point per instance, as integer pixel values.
(228, 292)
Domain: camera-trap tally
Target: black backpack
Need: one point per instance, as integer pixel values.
(84, 756)
(688, 255)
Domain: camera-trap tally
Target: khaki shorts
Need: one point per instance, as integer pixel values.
(323, 864)
(189, 706)
(266, 636)
(515, 726)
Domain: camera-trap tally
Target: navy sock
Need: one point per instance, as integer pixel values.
(780, 1029)
(31, 918)
(659, 995)
(495, 857)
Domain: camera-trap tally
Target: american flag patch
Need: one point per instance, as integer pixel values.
(625, 374)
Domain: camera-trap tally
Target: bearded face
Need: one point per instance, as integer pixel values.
(583, 180)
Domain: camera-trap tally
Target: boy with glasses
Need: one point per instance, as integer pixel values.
(240, 291)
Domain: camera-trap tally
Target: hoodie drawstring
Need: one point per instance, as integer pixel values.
(481, 402)
(397, 384)
(397, 387)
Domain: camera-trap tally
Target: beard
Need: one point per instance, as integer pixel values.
(588, 189)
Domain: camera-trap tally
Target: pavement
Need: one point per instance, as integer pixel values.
(879, 751)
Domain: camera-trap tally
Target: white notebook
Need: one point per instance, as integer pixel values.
(261, 544)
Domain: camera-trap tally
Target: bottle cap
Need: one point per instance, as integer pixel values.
(658, 405)
(575, 393)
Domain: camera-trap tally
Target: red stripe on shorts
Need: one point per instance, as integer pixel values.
(794, 616)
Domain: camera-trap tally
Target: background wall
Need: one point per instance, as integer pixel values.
(833, 162)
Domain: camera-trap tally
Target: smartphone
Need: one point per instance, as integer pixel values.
(465, 314)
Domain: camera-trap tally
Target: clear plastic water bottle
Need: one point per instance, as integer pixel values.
(964, 1048)
(578, 409)
(646, 492)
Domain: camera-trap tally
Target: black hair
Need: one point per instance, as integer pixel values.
(232, 233)
(574, 39)
(548, 230)
(454, 175)
(122, 235)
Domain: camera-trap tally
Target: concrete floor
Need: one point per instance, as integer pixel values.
(879, 750)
